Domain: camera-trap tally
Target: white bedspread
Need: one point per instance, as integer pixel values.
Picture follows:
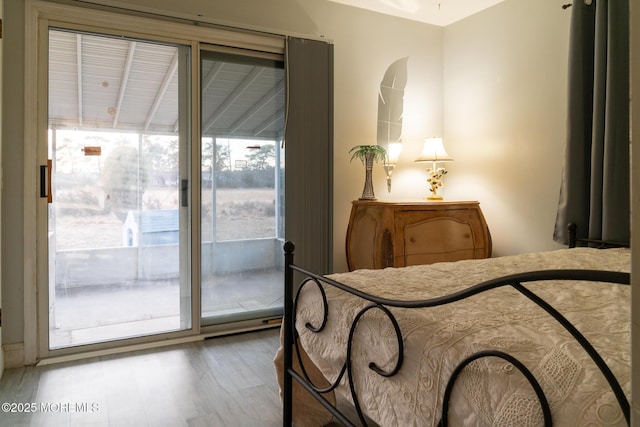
(490, 391)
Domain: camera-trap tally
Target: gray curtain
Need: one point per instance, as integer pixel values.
(594, 192)
(309, 153)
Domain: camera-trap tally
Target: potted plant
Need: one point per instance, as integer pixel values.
(368, 154)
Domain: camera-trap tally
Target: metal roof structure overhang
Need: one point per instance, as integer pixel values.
(117, 84)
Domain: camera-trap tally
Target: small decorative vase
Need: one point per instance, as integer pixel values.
(367, 192)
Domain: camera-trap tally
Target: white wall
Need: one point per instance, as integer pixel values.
(366, 43)
(362, 54)
(504, 113)
(501, 74)
(493, 85)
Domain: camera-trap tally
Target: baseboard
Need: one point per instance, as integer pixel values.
(13, 355)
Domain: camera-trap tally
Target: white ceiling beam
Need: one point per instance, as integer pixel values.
(266, 99)
(124, 81)
(212, 75)
(79, 71)
(278, 115)
(206, 82)
(171, 72)
(255, 72)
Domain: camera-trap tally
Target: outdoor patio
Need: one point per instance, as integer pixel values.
(88, 314)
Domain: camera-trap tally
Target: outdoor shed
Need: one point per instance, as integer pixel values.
(147, 228)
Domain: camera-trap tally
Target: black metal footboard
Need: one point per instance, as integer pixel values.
(515, 281)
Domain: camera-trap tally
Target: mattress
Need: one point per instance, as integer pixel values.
(490, 391)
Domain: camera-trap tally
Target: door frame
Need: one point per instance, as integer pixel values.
(40, 16)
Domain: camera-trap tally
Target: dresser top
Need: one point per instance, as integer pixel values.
(417, 202)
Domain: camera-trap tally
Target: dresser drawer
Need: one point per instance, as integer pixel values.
(391, 234)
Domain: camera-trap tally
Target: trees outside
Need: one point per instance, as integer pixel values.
(262, 157)
(161, 155)
(133, 172)
(125, 177)
(121, 175)
(259, 171)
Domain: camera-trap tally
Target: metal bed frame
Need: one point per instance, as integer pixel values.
(574, 241)
(516, 281)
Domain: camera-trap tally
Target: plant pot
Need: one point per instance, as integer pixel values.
(367, 192)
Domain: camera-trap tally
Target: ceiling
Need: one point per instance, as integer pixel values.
(116, 84)
(108, 83)
(436, 12)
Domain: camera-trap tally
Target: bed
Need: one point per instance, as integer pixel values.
(525, 340)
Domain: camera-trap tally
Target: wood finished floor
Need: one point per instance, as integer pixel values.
(225, 381)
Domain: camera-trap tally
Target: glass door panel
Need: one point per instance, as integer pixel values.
(242, 194)
(118, 218)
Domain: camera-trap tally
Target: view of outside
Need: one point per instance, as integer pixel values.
(240, 174)
(243, 105)
(99, 180)
(116, 268)
(100, 189)
(105, 281)
(119, 223)
(240, 226)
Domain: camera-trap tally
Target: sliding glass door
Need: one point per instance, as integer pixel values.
(243, 104)
(158, 156)
(118, 217)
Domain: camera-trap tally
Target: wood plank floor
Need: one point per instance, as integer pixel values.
(225, 381)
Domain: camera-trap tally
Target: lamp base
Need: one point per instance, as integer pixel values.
(434, 197)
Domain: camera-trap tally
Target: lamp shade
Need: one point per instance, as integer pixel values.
(393, 152)
(433, 151)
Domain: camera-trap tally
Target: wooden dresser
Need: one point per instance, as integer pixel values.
(397, 234)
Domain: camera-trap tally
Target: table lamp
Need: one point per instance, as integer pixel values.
(434, 152)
